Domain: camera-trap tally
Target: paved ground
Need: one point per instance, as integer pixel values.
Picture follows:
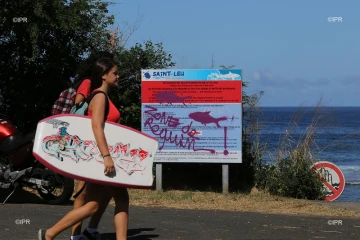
(161, 224)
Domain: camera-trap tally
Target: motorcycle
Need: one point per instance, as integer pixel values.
(19, 168)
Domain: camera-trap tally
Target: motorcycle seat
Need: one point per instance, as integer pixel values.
(16, 141)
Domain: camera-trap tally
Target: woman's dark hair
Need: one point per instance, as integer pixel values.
(102, 66)
(85, 68)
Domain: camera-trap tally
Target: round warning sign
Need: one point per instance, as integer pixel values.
(334, 180)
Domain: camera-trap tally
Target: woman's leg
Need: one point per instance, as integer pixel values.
(94, 197)
(95, 219)
(121, 213)
(80, 200)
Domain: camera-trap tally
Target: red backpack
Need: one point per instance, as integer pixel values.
(65, 102)
(66, 99)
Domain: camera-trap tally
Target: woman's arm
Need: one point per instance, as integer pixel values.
(97, 106)
(83, 91)
(79, 98)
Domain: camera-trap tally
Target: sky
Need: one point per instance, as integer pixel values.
(288, 49)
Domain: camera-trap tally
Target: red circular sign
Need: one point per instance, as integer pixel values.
(333, 179)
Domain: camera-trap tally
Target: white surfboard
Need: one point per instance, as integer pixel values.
(66, 144)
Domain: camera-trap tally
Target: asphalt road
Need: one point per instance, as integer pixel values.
(22, 221)
(25, 213)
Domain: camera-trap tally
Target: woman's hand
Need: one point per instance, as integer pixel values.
(108, 165)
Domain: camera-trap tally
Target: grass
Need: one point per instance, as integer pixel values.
(253, 202)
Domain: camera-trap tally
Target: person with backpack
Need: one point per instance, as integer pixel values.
(63, 105)
(103, 78)
(81, 87)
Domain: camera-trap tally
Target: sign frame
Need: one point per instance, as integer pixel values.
(155, 82)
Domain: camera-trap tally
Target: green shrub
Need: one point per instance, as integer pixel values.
(295, 178)
(292, 174)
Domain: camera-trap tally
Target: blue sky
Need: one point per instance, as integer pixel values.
(286, 48)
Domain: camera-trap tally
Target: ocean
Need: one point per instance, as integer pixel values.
(337, 135)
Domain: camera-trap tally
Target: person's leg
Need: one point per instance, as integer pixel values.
(96, 217)
(121, 214)
(94, 196)
(80, 200)
(91, 231)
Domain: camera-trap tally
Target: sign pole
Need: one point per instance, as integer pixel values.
(225, 178)
(159, 177)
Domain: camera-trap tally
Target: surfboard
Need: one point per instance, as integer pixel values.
(66, 144)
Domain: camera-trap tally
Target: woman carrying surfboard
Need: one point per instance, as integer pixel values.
(83, 92)
(104, 76)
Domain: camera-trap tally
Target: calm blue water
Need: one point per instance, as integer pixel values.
(337, 136)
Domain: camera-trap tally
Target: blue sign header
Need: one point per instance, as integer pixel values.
(191, 74)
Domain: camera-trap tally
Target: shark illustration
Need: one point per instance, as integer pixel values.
(170, 97)
(229, 75)
(205, 118)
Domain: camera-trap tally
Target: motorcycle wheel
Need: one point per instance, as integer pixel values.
(57, 182)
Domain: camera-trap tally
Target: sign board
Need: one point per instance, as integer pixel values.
(334, 180)
(196, 115)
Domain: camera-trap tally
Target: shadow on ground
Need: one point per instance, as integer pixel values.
(133, 234)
